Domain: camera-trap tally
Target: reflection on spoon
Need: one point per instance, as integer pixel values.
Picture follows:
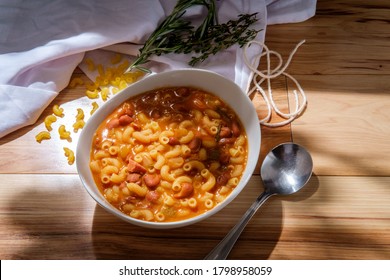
(285, 170)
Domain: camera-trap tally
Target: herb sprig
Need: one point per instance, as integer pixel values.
(176, 34)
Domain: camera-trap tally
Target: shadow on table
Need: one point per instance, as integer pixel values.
(44, 226)
(115, 239)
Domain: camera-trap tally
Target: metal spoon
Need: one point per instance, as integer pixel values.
(285, 170)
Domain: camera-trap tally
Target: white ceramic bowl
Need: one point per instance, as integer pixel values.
(206, 80)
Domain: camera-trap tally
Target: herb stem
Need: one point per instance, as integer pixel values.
(175, 34)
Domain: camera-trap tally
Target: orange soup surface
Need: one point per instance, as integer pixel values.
(169, 154)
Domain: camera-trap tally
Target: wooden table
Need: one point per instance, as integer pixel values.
(343, 212)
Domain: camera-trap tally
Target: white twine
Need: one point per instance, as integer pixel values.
(300, 103)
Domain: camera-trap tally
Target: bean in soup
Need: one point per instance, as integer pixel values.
(169, 154)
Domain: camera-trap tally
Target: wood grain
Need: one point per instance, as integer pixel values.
(346, 124)
(56, 219)
(343, 212)
(345, 37)
(19, 151)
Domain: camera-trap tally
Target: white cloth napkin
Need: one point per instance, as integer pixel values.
(43, 41)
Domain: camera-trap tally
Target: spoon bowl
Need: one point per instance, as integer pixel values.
(285, 170)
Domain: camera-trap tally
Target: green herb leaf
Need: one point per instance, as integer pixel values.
(176, 34)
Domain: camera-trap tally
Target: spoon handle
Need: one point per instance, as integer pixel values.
(222, 250)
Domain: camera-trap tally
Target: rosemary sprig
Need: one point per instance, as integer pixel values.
(177, 35)
(222, 36)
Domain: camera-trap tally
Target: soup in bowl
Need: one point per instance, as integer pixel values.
(171, 149)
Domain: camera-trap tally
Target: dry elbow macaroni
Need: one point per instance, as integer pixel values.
(75, 82)
(58, 111)
(170, 155)
(109, 81)
(70, 155)
(79, 124)
(43, 135)
(64, 134)
(95, 106)
(48, 121)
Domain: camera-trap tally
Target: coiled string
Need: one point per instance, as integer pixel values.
(258, 77)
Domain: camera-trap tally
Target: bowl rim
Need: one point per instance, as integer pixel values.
(167, 79)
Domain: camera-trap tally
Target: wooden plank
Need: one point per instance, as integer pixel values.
(344, 69)
(333, 217)
(346, 124)
(19, 151)
(330, 55)
(44, 217)
(344, 37)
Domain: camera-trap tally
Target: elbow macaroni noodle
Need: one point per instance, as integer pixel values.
(70, 155)
(79, 124)
(171, 161)
(108, 81)
(49, 120)
(43, 135)
(75, 82)
(58, 111)
(64, 134)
